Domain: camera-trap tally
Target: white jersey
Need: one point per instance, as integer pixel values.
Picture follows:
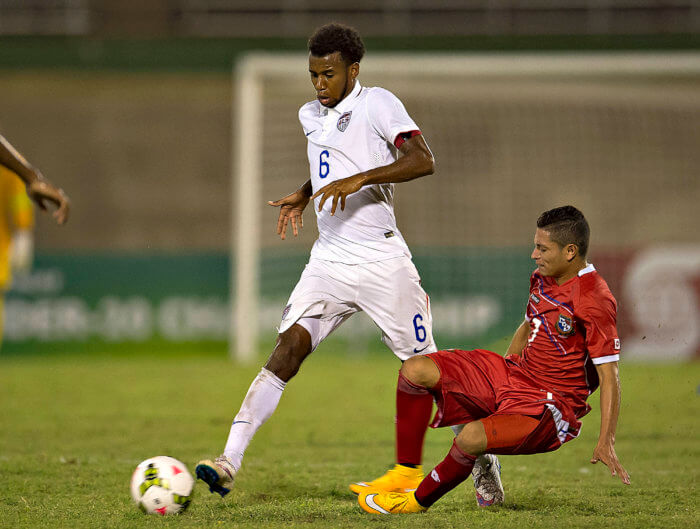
(356, 135)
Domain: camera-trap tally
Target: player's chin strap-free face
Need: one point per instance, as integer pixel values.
(351, 73)
(326, 76)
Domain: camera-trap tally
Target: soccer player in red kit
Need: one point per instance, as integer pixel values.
(531, 400)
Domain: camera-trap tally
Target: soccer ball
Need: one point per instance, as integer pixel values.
(162, 485)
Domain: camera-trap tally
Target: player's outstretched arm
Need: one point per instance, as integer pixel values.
(291, 209)
(39, 189)
(609, 411)
(417, 161)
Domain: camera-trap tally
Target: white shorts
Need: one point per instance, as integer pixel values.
(389, 291)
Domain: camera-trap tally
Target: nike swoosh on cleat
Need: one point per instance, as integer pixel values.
(416, 350)
(369, 500)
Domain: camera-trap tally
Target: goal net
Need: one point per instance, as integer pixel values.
(616, 135)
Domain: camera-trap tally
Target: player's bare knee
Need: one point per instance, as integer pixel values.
(472, 439)
(292, 347)
(421, 371)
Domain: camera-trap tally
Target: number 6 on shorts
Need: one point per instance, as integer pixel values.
(421, 333)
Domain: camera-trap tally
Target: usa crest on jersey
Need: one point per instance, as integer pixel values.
(565, 325)
(344, 121)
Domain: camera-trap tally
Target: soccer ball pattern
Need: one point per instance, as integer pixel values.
(162, 485)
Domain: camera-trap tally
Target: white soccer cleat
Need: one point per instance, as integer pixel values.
(487, 481)
(216, 474)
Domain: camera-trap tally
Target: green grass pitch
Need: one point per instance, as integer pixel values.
(72, 428)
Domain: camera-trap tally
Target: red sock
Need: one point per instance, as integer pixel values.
(454, 469)
(414, 405)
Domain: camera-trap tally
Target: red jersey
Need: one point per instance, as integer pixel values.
(572, 328)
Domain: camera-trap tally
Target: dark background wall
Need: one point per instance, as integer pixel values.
(128, 106)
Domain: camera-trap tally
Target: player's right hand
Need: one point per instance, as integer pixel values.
(291, 208)
(605, 453)
(41, 191)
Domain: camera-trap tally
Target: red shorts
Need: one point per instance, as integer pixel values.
(479, 383)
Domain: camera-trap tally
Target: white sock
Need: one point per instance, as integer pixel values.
(258, 405)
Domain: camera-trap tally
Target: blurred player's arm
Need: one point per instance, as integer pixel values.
(39, 189)
(519, 341)
(609, 411)
(291, 209)
(416, 161)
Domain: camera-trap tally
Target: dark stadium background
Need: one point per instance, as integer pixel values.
(127, 105)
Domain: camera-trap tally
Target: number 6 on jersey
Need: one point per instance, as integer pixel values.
(323, 167)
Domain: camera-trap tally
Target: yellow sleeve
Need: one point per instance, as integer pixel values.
(21, 208)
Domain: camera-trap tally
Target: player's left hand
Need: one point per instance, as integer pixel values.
(605, 453)
(339, 190)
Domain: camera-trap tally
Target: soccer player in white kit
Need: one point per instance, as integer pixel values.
(360, 261)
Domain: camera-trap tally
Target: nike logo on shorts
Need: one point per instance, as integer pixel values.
(416, 350)
(311, 132)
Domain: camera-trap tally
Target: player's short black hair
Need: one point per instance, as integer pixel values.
(337, 37)
(566, 225)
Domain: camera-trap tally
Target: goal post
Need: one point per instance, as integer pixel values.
(513, 134)
(245, 226)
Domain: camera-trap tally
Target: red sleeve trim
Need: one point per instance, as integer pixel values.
(404, 136)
